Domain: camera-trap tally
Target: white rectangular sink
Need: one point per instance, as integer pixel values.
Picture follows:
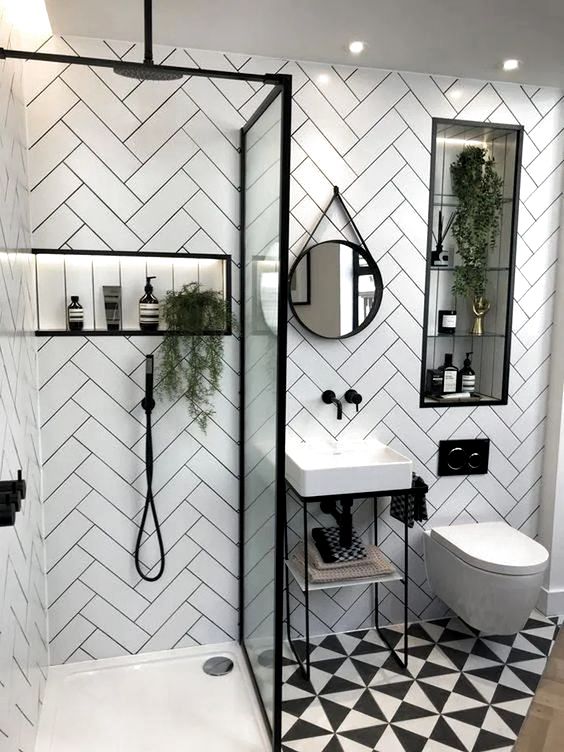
(322, 468)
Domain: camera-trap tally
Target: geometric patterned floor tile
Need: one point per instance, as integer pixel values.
(462, 691)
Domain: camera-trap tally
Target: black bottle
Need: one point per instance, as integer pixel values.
(450, 375)
(447, 321)
(149, 309)
(467, 376)
(75, 315)
(434, 382)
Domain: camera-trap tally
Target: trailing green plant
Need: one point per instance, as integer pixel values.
(478, 189)
(191, 362)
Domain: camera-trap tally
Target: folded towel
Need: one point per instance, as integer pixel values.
(376, 565)
(328, 542)
(415, 506)
(317, 561)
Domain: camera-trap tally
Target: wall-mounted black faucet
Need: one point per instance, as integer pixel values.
(330, 398)
(11, 494)
(353, 397)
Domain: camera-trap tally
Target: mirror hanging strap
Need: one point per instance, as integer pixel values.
(337, 196)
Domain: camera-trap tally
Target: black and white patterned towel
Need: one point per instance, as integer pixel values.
(412, 505)
(327, 540)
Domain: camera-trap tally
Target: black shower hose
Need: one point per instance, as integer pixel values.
(149, 502)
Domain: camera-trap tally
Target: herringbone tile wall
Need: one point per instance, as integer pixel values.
(127, 167)
(23, 617)
(370, 132)
(118, 165)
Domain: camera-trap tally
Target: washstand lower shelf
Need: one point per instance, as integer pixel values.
(335, 584)
(303, 582)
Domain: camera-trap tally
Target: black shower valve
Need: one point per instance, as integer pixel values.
(11, 494)
(7, 514)
(353, 397)
(17, 486)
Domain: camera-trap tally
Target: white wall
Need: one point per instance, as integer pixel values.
(23, 624)
(552, 511)
(369, 131)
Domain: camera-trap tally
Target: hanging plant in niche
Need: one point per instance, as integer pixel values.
(192, 362)
(478, 189)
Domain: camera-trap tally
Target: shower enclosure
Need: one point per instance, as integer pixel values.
(264, 229)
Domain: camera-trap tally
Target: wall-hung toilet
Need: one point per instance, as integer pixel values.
(488, 573)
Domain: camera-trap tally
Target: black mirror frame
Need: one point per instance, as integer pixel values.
(378, 287)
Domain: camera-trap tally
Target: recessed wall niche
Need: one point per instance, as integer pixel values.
(467, 189)
(62, 274)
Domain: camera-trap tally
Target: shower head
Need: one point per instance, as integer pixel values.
(148, 403)
(147, 70)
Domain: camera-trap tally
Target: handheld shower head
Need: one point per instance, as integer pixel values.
(148, 403)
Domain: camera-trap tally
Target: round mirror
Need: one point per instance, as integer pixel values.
(335, 289)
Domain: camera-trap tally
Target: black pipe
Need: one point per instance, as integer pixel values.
(343, 518)
(149, 32)
(148, 403)
(99, 62)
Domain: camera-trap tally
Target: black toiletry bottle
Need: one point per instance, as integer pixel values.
(149, 309)
(467, 376)
(75, 315)
(447, 321)
(434, 382)
(450, 375)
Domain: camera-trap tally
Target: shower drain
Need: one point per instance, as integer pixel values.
(219, 665)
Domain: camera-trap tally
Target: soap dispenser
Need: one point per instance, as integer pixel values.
(149, 309)
(468, 375)
(449, 374)
(75, 315)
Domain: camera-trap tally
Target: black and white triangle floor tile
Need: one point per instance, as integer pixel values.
(462, 691)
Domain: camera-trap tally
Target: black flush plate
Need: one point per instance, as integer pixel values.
(464, 456)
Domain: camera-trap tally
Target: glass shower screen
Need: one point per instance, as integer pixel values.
(264, 229)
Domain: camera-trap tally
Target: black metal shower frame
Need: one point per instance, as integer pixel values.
(283, 87)
(283, 90)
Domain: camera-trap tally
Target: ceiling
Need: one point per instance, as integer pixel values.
(454, 37)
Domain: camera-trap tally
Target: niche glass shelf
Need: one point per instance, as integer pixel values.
(474, 399)
(491, 350)
(452, 201)
(436, 268)
(62, 273)
(467, 335)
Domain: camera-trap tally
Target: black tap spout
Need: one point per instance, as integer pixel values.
(330, 398)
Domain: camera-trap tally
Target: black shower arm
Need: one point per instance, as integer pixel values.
(149, 33)
(276, 79)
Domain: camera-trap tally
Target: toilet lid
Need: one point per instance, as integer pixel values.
(494, 547)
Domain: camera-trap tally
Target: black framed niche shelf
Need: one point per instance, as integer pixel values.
(60, 274)
(456, 143)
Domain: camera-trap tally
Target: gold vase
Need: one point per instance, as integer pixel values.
(480, 306)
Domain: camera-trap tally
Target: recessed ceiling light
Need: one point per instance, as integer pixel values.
(356, 47)
(511, 64)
